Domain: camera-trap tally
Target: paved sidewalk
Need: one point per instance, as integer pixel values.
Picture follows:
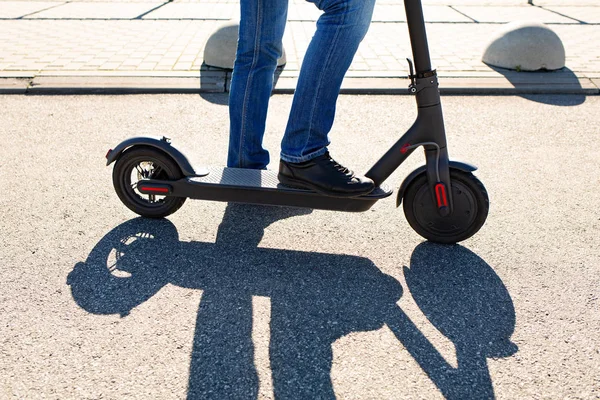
(141, 46)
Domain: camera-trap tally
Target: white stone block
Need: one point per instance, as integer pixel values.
(525, 46)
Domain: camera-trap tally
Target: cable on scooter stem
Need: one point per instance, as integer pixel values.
(437, 158)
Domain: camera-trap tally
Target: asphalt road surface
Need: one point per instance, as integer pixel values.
(231, 301)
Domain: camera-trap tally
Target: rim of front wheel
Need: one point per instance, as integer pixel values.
(470, 209)
(464, 211)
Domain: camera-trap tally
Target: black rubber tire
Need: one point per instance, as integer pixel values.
(471, 206)
(126, 165)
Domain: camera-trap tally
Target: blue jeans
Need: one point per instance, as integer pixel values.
(340, 29)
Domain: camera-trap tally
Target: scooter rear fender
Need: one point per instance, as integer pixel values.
(466, 167)
(161, 144)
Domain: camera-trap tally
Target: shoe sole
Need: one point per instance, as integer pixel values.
(297, 184)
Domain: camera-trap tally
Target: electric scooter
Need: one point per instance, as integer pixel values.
(443, 201)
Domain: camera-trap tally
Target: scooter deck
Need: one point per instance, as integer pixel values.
(258, 187)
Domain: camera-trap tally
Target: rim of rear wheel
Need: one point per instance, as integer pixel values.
(139, 164)
(138, 170)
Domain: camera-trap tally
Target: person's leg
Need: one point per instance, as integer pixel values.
(259, 46)
(305, 161)
(339, 32)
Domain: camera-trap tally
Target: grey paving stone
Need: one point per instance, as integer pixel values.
(204, 11)
(503, 85)
(350, 85)
(211, 82)
(170, 40)
(18, 74)
(51, 45)
(498, 84)
(574, 3)
(431, 13)
(14, 85)
(548, 78)
(503, 14)
(96, 10)
(18, 9)
(473, 2)
(372, 85)
(304, 11)
(589, 15)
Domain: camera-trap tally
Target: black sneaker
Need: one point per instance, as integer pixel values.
(325, 176)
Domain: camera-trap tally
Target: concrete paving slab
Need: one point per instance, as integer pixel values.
(392, 11)
(596, 82)
(19, 9)
(490, 73)
(576, 3)
(551, 77)
(464, 82)
(96, 10)
(503, 86)
(75, 45)
(18, 74)
(588, 15)
(204, 11)
(496, 84)
(14, 85)
(375, 86)
(365, 85)
(401, 73)
(207, 83)
(173, 47)
(304, 11)
(497, 14)
(431, 13)
(549, 82)
(124, 74)
(161, 46)
(507, 2)
(471, 2)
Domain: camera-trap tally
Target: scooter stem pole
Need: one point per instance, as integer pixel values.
(418, 36)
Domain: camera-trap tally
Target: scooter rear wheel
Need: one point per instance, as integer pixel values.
(143, 162)
(471, 206)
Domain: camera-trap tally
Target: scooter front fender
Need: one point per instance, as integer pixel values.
(466, 167)
(161, 144)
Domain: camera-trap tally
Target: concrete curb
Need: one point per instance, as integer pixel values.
(14, 85)
(218, 82)
(503, 86)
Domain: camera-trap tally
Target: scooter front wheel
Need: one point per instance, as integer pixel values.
(470, 208)
(137, 164)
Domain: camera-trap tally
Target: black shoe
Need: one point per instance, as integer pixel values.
(325, 176)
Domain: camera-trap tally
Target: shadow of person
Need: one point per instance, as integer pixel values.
(543, 86)
(315, 298)
(468, 303)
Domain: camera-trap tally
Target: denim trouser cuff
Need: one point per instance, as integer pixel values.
(295, 160)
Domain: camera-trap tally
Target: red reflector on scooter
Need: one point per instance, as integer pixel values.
(440, 194)
(154, 189)
(108, 153)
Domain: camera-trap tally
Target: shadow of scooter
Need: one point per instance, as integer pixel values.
(468, 303)
(315, 299)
